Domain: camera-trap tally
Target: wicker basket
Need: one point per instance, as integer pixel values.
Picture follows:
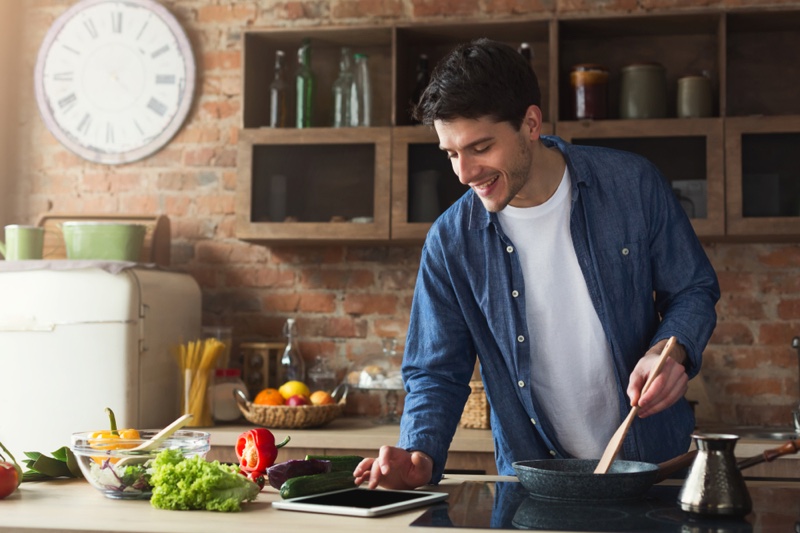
(476, 411)
(287, 416)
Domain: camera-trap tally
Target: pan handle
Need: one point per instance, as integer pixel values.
(788, 448)
(667, 468)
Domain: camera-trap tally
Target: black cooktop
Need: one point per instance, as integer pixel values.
(506, 505)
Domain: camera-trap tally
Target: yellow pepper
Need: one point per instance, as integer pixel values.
(113, 439)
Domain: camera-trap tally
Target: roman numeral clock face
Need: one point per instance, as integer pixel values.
(115, 79)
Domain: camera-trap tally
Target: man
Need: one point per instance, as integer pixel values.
(564, 268)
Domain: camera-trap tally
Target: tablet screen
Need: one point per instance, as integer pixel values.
(361, 501)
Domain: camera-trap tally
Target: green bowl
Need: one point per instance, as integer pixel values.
(103, 240)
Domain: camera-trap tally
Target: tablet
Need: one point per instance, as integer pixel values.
(361, 501)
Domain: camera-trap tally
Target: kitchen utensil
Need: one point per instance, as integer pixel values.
(22, 242)
(155, 441)
(103, 240)
(714, 485)
(574, 479)
(615, 443)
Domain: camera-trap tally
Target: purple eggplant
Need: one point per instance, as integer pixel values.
(279, 473)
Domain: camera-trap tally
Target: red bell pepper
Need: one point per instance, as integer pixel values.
(256, 449)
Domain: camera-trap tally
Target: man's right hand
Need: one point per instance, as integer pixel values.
(395, 468)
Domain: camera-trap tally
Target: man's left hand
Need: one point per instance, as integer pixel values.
(668, 387)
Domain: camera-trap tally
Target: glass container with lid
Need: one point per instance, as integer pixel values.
(381, 373)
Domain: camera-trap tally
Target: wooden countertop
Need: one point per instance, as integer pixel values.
(73, 505)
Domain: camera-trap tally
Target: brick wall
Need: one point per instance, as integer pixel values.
(348, 298)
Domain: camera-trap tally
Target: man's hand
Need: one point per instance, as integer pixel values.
(668, 387)
(395, 468)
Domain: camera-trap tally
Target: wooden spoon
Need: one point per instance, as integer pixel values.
(615, 443)
(157, 439)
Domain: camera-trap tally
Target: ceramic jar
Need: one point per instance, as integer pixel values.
(643, 91)
(694, 97)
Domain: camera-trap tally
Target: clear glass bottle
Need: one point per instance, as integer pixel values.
(361, 97)
(292, 367)
(422, 79)
(341, 91)
(277, 94)
(304, 86)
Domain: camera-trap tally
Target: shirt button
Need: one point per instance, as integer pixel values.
(521, 383)
(625, 251)
(509, 249)
(514, 293)
(521, 338)
(534, 421)
(553, 453)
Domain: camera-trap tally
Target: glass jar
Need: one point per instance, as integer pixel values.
(223, 401)
(589, 84)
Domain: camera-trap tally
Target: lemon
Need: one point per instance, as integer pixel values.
(294, 388)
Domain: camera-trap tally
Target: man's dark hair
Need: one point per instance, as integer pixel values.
(482, 78)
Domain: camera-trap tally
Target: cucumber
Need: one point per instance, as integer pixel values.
(339, 463)
(316, 484)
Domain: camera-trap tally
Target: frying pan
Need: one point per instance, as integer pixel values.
(575, 480)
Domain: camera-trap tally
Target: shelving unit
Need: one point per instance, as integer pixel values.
(381, 171)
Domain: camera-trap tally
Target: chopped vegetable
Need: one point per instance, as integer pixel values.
(184, 484)
(256, 449)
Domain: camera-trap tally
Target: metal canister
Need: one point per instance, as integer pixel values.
(589, 83)
(694, 97)
(643, 91)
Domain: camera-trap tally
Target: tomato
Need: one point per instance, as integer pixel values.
(9, 479)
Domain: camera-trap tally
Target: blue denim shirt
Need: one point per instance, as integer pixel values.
(648, 279)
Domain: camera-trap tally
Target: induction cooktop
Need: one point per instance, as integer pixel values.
(507, 505)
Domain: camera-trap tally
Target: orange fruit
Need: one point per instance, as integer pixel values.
(294, 388)
(268, 397)
(321, 397)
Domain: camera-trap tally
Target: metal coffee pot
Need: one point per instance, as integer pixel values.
(714, 485)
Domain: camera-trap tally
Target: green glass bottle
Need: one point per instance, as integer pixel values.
(304, 86)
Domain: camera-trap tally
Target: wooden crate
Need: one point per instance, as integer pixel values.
(157, 239)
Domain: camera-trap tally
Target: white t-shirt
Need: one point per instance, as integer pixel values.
(571, 363)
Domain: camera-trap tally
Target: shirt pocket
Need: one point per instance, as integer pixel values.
(625, 271)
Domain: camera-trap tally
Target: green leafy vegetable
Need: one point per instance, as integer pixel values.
(183, 484)
(42, 467)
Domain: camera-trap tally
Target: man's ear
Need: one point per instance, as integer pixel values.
(532, 123)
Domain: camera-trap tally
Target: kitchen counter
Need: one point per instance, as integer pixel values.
(73, 505)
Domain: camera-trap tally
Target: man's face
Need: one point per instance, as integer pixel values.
(492, 158)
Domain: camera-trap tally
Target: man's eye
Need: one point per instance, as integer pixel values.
(451, 155)
(481, 149)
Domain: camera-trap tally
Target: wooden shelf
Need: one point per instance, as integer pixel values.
(747, 53)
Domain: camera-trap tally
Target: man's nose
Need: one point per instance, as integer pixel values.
(466, 169)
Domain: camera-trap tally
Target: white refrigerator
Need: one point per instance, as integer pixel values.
(74, 341)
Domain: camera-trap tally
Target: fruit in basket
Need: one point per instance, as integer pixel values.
(297, 399)
(294, 388)
(321, 397)
(268, 396)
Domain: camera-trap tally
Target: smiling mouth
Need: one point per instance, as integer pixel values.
(485, 185)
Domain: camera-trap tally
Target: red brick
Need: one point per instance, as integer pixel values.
(212, 204)
(764, 415)
(368, 304)
(198, 134)
(221, 60)
(397, 328)
(568, 6)
(678, 4)
(780, 282)
(780, 334)
(434, 8)
(732, 333)
(397, 279)
(281, 302)
(354, 9)
(782, 257)
(736, 282)
(519, 7)
(336, 279)
(220, 109)
(346, 327)
(789, 309)
(177, 205)
(309, 254)
(739, 306)
(141, 204)
(755, 387)
(311, 302)
(237, 14)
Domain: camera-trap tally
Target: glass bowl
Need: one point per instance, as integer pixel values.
(112, 467)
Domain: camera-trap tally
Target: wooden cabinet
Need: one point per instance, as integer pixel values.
(388, 181)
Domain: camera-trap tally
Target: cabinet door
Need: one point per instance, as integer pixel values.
(313, 184)
(689, 152)
(762, 175)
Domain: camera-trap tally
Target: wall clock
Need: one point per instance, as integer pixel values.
(115, 79)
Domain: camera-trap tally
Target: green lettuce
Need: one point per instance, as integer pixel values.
(184, 484)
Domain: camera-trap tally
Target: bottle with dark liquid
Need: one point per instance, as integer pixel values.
(277, 94)
(422, 79)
